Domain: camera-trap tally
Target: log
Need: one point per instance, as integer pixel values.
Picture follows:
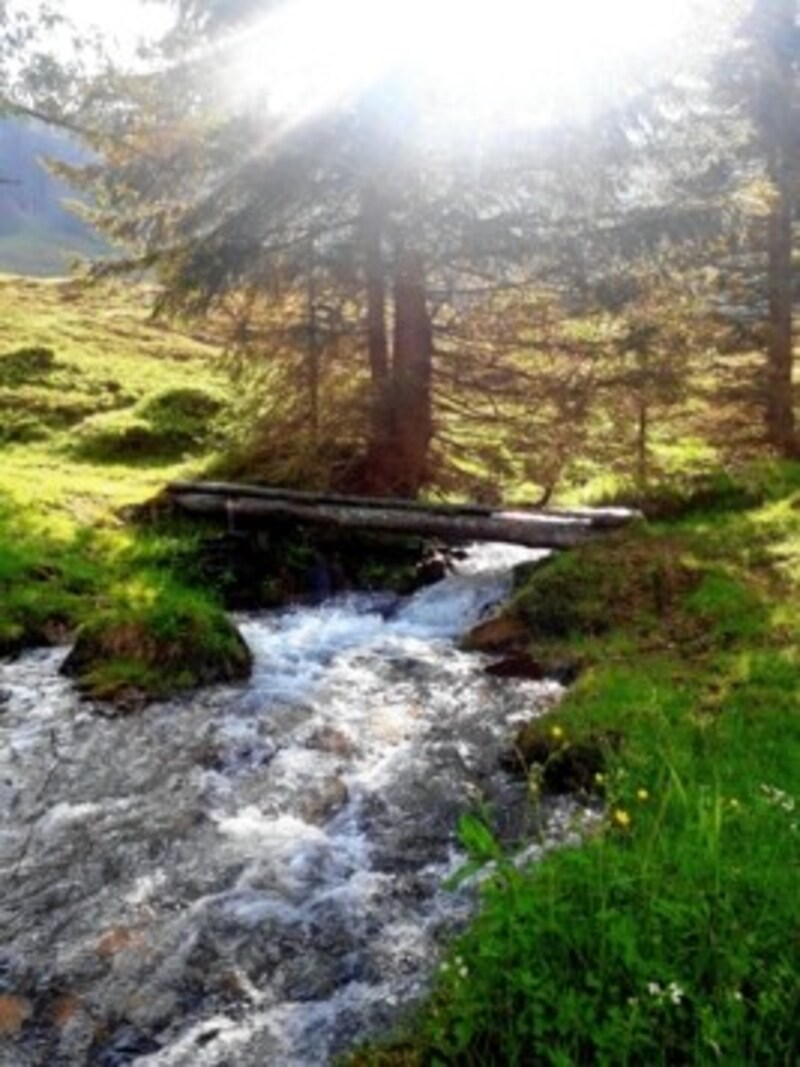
(543, 529)
(600, 517)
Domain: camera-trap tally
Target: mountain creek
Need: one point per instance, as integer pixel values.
(256, 874)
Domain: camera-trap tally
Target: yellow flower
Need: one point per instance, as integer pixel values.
(556, 733)
(642, 794)
(621, 818)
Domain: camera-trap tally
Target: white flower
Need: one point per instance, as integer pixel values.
(675, 992)
(654, 989)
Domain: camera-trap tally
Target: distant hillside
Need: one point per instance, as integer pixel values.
(38, 235)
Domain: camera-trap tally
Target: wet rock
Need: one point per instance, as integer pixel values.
(117, 940)
(126, 1045)
(323, 802)
(64, 1009)
(566, 672)
(500, 634)
(517, 665)
(15, 975)
(14, 1012)
(334, 742)
(431, 570)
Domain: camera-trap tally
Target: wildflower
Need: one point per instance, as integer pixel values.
(557, 733)
(654, 989)
(675, 992)
(599, 778)
(778, 798)
(642, 795)
(621, 818)
(445, 967)
(463, 972)
(736, 994)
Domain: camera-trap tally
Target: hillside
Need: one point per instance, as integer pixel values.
(39, 235)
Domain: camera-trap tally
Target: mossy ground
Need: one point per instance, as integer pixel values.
(84, 376)
(671, 935)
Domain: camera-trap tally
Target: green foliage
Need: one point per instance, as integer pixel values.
(165, 427)
(670, 934)
(26, 365)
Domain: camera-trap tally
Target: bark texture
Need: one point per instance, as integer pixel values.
(779, 90)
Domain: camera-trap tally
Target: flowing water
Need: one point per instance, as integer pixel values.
(253, 875)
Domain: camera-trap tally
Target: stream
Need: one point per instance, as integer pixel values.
(254, 874)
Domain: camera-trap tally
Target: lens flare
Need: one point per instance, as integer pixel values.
(510, 60)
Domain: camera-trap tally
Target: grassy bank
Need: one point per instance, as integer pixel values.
(100, 406)
(671, 936)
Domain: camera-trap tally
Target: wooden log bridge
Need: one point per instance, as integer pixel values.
(256, 506)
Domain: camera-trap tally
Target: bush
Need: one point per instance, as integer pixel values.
(18, 428)
(194, 406)
(185, 414)
(118, 439)
(170, 425)
(25, 365)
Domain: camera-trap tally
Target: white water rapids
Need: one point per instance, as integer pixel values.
(253, 875)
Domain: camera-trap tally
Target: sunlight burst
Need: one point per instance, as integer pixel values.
(527, 60)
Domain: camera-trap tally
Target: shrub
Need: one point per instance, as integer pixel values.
(24, 365)
(18, 428)
(170, 425)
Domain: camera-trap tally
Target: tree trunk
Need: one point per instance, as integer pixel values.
(537, 529)
(372, 232)
(313, 354)
(412, 367)
(777, 114)
(231, 494)
(642, 441)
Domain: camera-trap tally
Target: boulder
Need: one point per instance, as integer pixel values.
(498, 635)
(517, 665)
(132, 661)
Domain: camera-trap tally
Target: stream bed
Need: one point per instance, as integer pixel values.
(253, 874)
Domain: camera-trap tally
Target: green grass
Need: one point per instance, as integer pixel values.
(671, 934)
(110, 361)
(100, 406)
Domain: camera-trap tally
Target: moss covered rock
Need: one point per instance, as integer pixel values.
(504, 633)
(156, 649)
(598, 587)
